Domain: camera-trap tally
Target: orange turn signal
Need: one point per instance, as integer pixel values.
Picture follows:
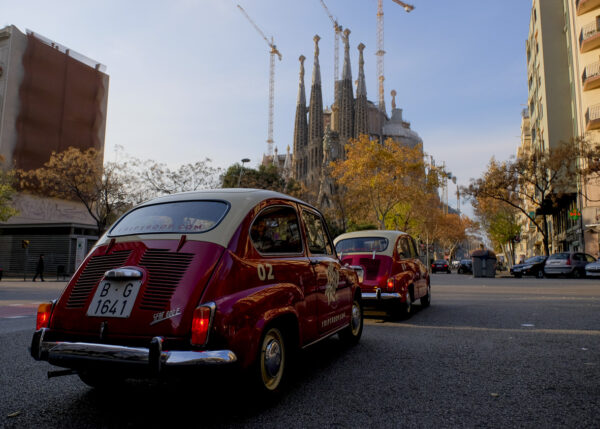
(43, 315)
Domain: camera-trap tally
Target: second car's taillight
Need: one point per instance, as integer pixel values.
(43, 315)
(568, 261)
(390, 284)
(201, 322)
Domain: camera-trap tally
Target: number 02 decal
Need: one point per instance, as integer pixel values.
(265, 272)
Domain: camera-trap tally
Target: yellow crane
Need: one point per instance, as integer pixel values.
(273, 52)
(337, 28)
(380, 51)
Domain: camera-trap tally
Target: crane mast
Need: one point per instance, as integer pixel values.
(273, 52)
(337, 28)
(380, 51)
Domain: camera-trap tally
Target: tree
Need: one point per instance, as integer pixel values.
(7, 192)
(500, 222)
(79, 175)
(538, 179)
(265, 177)
(377, 179)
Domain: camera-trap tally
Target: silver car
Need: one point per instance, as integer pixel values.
(593, 269)
(567, 264)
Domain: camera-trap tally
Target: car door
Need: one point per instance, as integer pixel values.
(276, 236)
(406, 260)
(420, 268)
(334, 297)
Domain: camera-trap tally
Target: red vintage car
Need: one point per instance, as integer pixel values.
(394, 277)
(229, 276)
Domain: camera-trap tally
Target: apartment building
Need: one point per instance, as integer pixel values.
(582, 34)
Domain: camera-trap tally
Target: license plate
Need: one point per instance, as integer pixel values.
(114, 298)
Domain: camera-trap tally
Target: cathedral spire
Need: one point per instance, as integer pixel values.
(300, 126)
(315, 119)
(347, 94)
(361, 108)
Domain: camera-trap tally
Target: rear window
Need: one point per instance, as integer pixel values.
(362, 244)
(559, 256)
(441, 261)
(185, 217)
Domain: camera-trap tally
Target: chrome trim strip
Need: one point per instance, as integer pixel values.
(325, 337)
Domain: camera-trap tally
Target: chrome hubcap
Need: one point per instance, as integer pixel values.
(272, 358)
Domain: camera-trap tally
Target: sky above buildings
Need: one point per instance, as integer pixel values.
(189, 79)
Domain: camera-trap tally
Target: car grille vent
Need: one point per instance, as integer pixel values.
(165, 269)
(371, 267)
(92, 274)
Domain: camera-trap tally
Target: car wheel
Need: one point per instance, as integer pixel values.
(426, 300)
(540, 274)
(351, 335)
(517, 276)
(460, 271)
(577, 273)
(402, 310)
(271, 361)
(100, 380)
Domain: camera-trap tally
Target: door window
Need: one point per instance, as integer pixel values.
(403, 248)
(316, 234)
(276, 230)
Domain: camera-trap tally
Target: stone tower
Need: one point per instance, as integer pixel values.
(346, 108)
(361, 125)
(301, 129)
(315, 123)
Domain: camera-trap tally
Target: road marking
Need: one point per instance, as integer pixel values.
(476, 328)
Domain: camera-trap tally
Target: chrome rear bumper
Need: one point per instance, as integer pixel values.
(153, 359)
(380, 296)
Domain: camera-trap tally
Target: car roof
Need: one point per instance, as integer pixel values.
(392, 236)
(241, 201)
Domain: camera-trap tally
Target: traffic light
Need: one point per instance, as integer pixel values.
(25, 244)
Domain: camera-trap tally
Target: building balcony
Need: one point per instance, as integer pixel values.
(591, 76)
(583, 6)
(592, 118)
(589, 38)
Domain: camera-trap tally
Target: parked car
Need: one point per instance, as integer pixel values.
(440, 265)
(455, 264)
(394, 277)
(200, 279)
(567, 264)
(465, 267)
(531, 267)
(593, 269)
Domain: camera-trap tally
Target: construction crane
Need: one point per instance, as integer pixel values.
(380, 51)
(337, 28)
(273, 51)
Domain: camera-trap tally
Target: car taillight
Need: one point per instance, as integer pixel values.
(390, 284)
(432, 265)
(568, 261)
(445, 265)
(43, 315)
(201, 325)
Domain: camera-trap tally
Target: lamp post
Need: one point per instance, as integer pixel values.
(245, 160)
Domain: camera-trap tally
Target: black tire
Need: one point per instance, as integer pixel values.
(350, 336)
(460, 271)
(577, 273)
(517, 276)
(540, 274)
(271, 362)
(402, 310)
(101, 380)
(426, 300)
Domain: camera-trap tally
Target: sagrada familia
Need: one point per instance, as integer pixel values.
(321, 135)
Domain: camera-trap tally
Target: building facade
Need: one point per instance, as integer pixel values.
(51, 98)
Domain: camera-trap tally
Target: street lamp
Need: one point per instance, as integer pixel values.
(245, 160)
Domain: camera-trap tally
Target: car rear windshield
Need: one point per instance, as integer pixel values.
(185, 217)
(441, 261)
(362, 244)
(563, 255)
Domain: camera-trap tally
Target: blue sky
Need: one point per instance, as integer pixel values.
(189, 78)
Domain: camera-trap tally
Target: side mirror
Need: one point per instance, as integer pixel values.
(360, 272)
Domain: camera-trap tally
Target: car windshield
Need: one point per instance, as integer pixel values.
(441, 261)
(534, 260)
(362, 244)
(465, 261)
(563, 255)
(179, 217)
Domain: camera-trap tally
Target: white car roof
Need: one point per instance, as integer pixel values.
(241, 201)
(392, 236)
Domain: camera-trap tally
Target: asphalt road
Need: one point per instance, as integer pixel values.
(487, 353)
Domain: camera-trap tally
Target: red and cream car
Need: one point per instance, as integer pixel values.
(394, 277)
(199, 279)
